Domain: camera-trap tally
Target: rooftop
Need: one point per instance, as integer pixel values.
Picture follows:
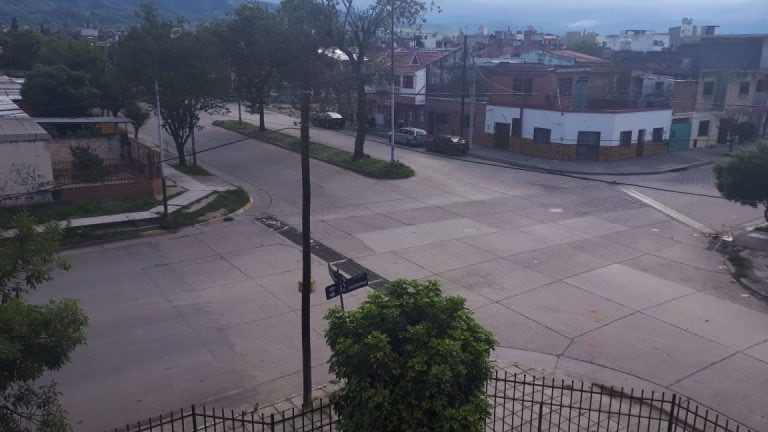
(21, 129)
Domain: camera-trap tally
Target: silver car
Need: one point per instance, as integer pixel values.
(409, 136)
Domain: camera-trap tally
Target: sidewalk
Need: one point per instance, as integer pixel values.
(194, 192)
(663, 163)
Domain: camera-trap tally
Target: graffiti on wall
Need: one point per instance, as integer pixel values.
(23, 177)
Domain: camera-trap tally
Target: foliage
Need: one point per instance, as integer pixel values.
(137, 115)
(743, 176)
(411, 359)
(357, 30)
(195, 170)
(77, 55)
(35, 338)
(587, 47)
(226, 202)
(187, 67)
(57, 91)
(65, 211)
(367, 166)
(20, 49)
(251, 43)
(743, 131)
(88, 166)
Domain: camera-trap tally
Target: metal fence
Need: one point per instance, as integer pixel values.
(520, 403)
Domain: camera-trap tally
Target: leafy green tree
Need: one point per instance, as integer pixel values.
(186, 65)
(138, 117)
(78, 55)
(359, 31)
(411, 360)
(587, 47)
(57, 91)
(34, 338)
(743, 177)
(20, 49)
(251, 43)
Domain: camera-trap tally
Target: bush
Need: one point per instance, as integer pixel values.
(411, 360)
(743, 177)
(88, 166)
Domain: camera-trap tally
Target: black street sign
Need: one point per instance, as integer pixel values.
(332, 291)
(355, 282)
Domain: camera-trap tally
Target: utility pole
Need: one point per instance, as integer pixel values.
(392, 75)
(194, 147)
(472, 100)
(463, 85)
(162, 148)
(306, 252)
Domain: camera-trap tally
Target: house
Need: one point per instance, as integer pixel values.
(687, 32)
(635, 40)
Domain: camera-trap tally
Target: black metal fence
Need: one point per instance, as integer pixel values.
(520, 403)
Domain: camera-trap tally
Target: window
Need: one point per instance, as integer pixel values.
(709, 88)
(744, 88)
(657, 135)
(522, 84)
(566, 86)
(659, 86)
(703, 128)
(441, 118)
(641, 136)
(408, 81)
(658, 43)
(625, 138)
(762, 85)
(541, 135)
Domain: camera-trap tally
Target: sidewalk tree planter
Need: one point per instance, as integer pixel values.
(368, 167)
(411, 359)
(743, 177)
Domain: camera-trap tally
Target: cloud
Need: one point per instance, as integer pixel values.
(584, 23)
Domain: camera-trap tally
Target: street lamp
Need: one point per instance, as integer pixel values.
(392, 76)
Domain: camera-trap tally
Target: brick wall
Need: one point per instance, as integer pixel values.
(655, 148)
(108, 147)
(614, 153)
(108, 192)
(549, 151)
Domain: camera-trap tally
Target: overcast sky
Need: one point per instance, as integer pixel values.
(603, 16)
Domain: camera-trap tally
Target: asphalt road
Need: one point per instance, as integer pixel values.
(572, 276)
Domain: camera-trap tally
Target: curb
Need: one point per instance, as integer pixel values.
(593, 173)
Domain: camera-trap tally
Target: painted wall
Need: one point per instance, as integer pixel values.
(565, 126)
(499, 114)
(25, 166)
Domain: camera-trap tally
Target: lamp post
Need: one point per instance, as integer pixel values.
(392, 75)
(162, 148)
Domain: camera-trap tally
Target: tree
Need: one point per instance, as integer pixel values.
(20, 49)
(588, 47)
(743, 131)
(138, 117)
(357, 31)
(743, 177)
(57, 91)
(187, 67)
(251, 43)
(35, 338)
(409, 353)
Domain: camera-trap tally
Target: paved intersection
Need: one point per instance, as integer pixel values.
(571, 276)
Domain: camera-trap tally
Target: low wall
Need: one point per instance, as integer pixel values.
(108, 192)
(655, 148)
(614, 153)
(548, 151)
(108, 147)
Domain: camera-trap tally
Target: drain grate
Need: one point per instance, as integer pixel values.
(325, 253)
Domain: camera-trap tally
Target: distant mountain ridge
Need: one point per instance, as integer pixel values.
(106, 13)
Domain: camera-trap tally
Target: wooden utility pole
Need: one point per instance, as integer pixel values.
(463, 85)
(306, 252)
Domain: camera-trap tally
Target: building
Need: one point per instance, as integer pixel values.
(687, 32)
(26, 174)
(635, 40)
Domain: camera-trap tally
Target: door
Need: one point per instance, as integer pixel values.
(680, 134)
(641, 143)
(501, 135)
(588, 146)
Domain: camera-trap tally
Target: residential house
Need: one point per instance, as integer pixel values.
(635, 40)
(687, 32)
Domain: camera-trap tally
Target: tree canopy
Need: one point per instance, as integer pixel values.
(57, 91)
(411, 355)
(34, 338)
(743, 177)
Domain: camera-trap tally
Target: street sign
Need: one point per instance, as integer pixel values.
(343, 285)
(355, 282)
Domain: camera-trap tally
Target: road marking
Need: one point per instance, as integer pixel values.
(667, 210)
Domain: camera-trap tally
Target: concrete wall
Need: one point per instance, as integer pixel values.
(25, 166)
(108, 147)
(565, 126)
(499, 114)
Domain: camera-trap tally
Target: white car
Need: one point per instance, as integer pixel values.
(409, 136)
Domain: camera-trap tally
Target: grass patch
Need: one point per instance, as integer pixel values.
(230, 201)
(193, 170)
(741, 265)
(83, 235)
(369, 167)
(64, 211)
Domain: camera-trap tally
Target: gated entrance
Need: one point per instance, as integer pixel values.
(680, 134)
(588, 146)
(501, 136)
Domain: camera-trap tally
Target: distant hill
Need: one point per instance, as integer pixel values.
(106, 13)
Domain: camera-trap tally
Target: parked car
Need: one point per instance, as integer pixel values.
(329, 120)
(409, 136)
(448, 144)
